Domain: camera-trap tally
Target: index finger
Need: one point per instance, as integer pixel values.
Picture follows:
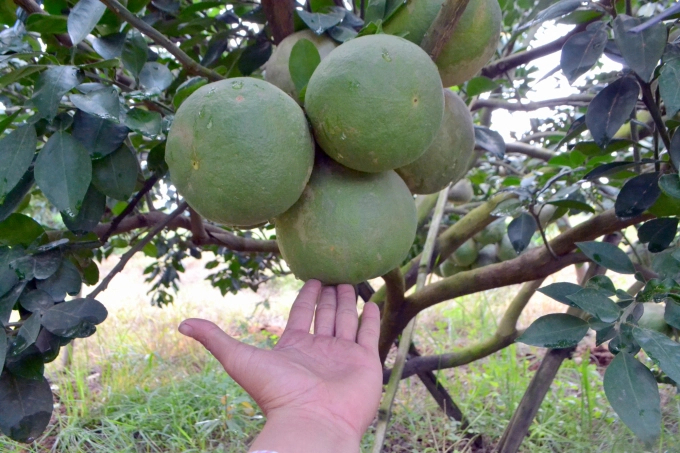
(302, 311)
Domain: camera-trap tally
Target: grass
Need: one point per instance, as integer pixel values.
(139, 386)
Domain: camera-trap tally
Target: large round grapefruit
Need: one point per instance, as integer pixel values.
(347, 226)
(450, 154)
(239, 151)
(471, 45)
(375, 103)
(276, 69)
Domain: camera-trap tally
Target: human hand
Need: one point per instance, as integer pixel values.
(318, 391)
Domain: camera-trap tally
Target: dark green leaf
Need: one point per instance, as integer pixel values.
(90, 213)
(633, 393)
(659, 233)
(490, 141)
(19, 74)
(135, 50)
(110, 46)
(637, 195)
(375, 10)
(597, 304)
(342, 33)
(39, 266)
(556, 10)
(670, 185)
(611, 108)
(102, 103)
(155, 161)
(16, 154)
(66, 280)
(582, 51)
(319, 23)
(643, 50)
(36, 300)
(254, 57)
(99, 136)
(26, 336)
(69, 318)
(479, 85)
(8, 300)
(572, 204)
(143, 121)
(560, 291)
(8, 120)
(19, 229)
(49, 344)
(607, 255)
(83, 18)
(607, 169)
(155, 77)
(63, 171)
(672, 314)
(304, 58)
(91, 274)
(27, 407)
(603, 284)
(661, 349)
(116, 174)
(656, 290)
(186, 89)
(520, 231)
(668, 81)
(674, 151)
(555, 331)
(52, 84)
(3, 349)
(46, 24)
(8, 278)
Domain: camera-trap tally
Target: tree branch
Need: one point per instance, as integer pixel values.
(575, 100)
(280, 17)
(185, 60)
(393, 307)
(136, 248)
(197, 228)
(650, 103)
(528, 150)
(216, 235)
(442, 27)
(148, 185)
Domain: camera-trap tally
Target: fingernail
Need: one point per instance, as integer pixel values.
(185, 329)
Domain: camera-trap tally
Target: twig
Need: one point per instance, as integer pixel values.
(197, 228)
(650, 103)
(385, 409)
(574, 100)
(136, 248)
(442, 27)
(542, 231)
(528, 150)
(185, 60)
(148, 185)
(280, 17)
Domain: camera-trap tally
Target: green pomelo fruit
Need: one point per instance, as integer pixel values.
(487, 255)
(449, 268)
(653, 318)
(448, 157)
(471, 45)
(239, 151)
(466, 254)
(347, 226)
(276, 68)
(492, 233)
(461, 192)
(505, 249)
(375, 103)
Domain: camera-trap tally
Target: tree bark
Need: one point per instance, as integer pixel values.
(280, 17)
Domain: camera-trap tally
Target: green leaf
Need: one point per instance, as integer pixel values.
(155, 77)
(27, 407)
(3, 349)
(572, 204)
(668, 80)
(659, 233)
(36, 301)
(143, 121)
(63, 171)
(554, 11)
(90, 213)
(8, 300)
(672, 314)
(8, 278)
(52, 84)
(342, 33)
(304, 58)
(99, 136)
(603, 284)
(637, 195)
(560, 291)
(633, 393)
(375, 11)
(642, 51)
(661, 349)
(319, 23)
(479, 85)
(597, 304)
(8, 16)
(607, 255)
(254, 56)
(46, 24)
(110, 46)
(74, 318)
(26, 335)
(39, 265)
(490, 141)
(555, 331)
(670, 185)
(102, 103)
(135, 52)
(611, 108)
(186, 89)
(16, 154)
(521, 230)
(582, 51)
(83, 18)
(66, 280)
(19, 229)
(155, 161)
(607, 169)
(116, 174)
(19, 74)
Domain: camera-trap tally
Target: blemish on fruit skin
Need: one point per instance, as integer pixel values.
(237, 85)
(194, 164)
(209, 123)
(386, 55)
(240, 99)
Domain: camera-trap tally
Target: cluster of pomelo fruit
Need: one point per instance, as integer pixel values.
(383, 128)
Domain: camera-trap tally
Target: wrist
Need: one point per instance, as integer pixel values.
(303, 432)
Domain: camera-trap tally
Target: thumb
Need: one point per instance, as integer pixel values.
(232, 354)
